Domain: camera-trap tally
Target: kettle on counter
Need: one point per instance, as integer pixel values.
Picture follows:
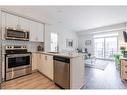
(40, 48)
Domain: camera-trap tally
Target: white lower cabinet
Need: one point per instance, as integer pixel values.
(40, 62)
(50, 66)
(44, 64)
(35, 61)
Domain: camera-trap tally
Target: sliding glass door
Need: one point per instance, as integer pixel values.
(105, 47)
(110, 47)
(99, 47)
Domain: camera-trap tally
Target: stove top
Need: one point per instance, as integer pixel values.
(16, 49)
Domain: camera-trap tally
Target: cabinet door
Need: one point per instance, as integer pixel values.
(38, 60)
(24, 23)
(3, 24)
(33, 31)
(40, 31)
(48, 66)
(44, 64)
(41, 62)
(36, 31)
(34, 61)
(11, 20)
(123, 70)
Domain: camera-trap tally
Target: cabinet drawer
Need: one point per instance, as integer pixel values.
(124, 68)
(48, 57)
(124, 71)
(124, 75)
(123, 62)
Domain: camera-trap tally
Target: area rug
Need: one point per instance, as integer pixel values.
(98, 64)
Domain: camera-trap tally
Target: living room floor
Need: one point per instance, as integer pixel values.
(104, 79)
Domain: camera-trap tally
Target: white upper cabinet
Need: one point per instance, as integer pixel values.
(33, 31)
(24, 23)
(3, 20)
(12, 20)
(36, 31)
(40, 32)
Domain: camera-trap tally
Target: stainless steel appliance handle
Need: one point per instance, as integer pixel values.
(17, 55)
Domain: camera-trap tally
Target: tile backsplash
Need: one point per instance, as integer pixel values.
(31, 46)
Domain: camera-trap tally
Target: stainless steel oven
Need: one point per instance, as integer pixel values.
(14, 34)
(18, 63)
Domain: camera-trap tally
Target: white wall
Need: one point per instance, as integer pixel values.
(103, 29)
(63, 34)
(81, 42)
(80, 38)
(88, 35)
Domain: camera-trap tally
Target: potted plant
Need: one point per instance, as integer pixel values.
(122, 49)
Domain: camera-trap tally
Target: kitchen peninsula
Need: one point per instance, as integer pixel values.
(54, 66)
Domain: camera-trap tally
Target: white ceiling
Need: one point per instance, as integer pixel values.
(76, 18)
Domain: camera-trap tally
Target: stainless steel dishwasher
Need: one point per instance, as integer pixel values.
(62, 71)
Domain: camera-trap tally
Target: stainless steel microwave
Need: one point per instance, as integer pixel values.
(14, 34)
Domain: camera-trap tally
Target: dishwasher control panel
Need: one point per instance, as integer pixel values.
(62, 59)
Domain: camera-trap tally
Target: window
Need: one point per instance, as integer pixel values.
(54, 42)
(105, 45)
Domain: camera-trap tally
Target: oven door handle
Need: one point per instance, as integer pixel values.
(18, 55)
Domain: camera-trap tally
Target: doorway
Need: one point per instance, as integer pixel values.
(105, 47)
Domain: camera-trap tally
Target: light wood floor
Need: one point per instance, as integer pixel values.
(32, 81)
(107, 79)
(96, 79)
